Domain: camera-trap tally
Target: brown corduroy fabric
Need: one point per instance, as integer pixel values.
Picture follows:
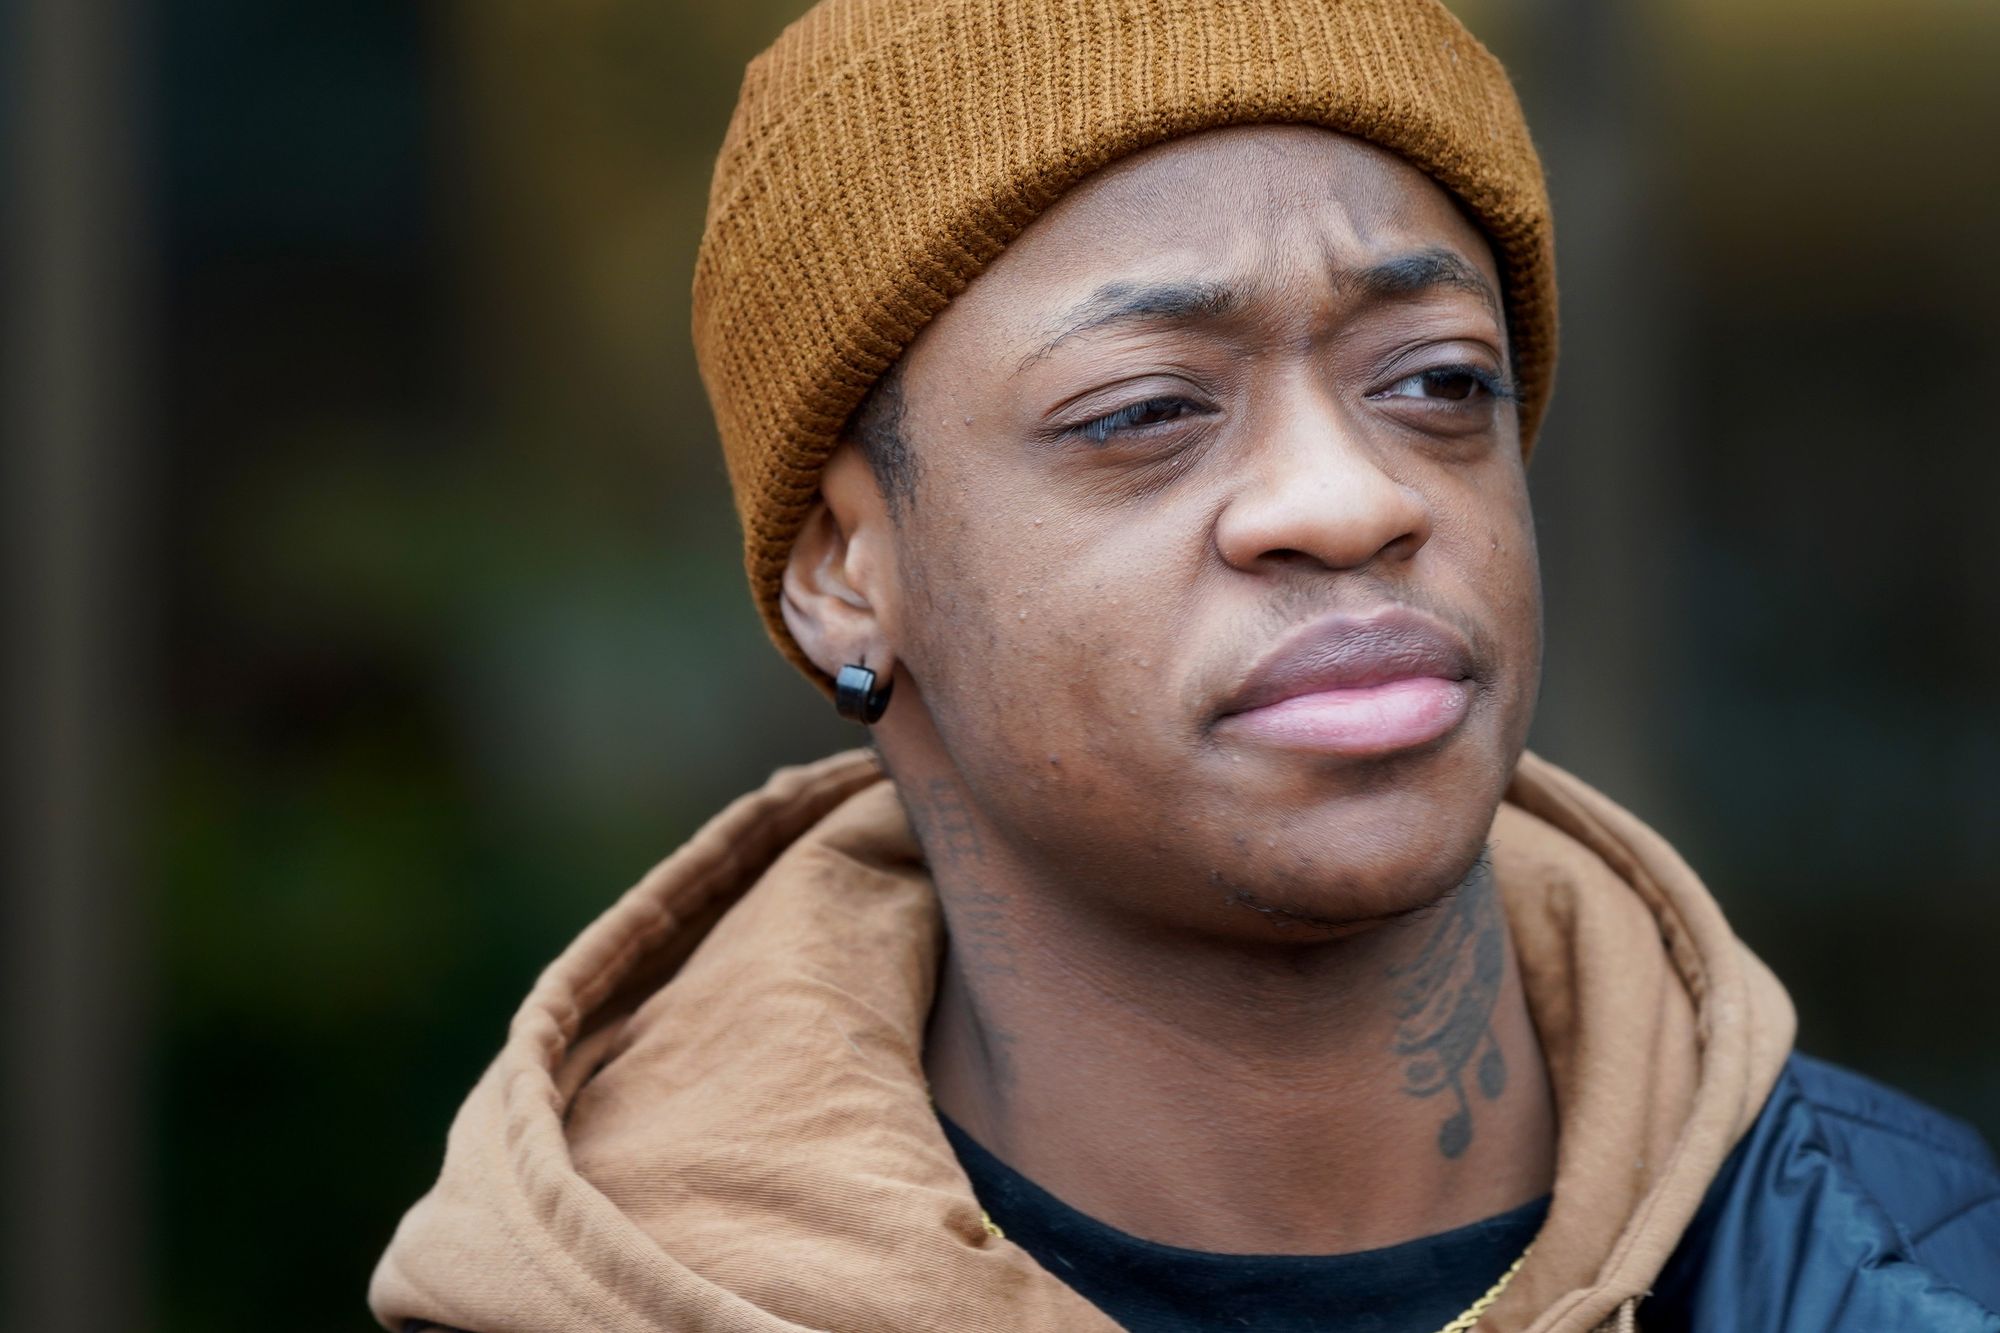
(724, 1127)
(884, 152)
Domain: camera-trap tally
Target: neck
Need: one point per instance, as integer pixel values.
(1268, 1098)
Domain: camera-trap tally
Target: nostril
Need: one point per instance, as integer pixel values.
(1403, 547)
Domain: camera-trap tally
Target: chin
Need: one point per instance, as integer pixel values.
(1384, 893)
(1357, 858)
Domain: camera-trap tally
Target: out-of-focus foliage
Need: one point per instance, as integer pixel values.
(456, 630)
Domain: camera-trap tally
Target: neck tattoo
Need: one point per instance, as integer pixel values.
(1444, 1008)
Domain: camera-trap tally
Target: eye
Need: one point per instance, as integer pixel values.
(1451, 384)
(1135, 417)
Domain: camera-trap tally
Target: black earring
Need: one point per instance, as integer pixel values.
(855, 696)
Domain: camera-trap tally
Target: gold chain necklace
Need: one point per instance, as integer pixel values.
(1464, 1323)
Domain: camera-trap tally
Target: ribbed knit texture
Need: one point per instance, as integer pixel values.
(883, 152)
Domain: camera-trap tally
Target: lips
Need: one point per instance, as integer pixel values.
(1357, 686)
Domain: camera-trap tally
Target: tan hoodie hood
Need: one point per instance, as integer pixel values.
(738, 1137)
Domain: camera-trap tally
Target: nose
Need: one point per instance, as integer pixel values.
(1314, 488)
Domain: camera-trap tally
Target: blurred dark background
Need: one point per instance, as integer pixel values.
(374, 612)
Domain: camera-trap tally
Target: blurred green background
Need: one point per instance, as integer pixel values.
(376, 613)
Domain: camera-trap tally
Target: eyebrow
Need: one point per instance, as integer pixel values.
(1191, 302)
(1421, 271)
(1128, 302)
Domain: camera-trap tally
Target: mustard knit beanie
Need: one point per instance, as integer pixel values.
(883, 152)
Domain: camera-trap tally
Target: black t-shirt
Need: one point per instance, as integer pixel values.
(1415, 1287)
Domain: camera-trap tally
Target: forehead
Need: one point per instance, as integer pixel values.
(1278, 207)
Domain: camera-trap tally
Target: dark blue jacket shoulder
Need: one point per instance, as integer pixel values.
(1847, 1207)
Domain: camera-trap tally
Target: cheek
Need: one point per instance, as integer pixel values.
(1035, 634)
(1507, 569)
(1515, 553)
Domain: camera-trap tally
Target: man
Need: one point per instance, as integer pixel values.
(1128, 404)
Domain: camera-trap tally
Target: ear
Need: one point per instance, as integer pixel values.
(840, 585)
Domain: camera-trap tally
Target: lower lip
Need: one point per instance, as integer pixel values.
(1369, 720)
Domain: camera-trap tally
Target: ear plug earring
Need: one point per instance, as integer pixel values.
(855, 696)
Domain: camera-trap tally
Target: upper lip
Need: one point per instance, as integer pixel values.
(1345, 652)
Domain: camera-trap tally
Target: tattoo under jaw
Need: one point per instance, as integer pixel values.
(1444, 1001)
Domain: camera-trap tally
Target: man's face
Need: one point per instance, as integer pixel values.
(1218, 587)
